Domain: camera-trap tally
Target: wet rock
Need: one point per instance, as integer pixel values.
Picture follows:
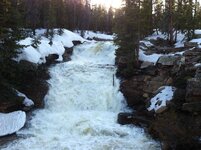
(128, 118)
(124, 118)
(75, 43)
(133, 90)
(51, 59)
(67, 54)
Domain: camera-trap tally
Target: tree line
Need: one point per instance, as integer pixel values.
(143, 17)
(70, 14)
(20, 18)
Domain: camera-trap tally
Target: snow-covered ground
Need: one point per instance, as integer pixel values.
(11, 122)
(161, 99)
(38, 55)
(155, 57)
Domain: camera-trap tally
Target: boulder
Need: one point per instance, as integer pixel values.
(128, 118)
(190, 44)
(51, 59)
(168, 60)
(176, 129)
(193, 90)
(67, 54)
(124, 118)
(146, 64)
(75, 43)
(9, 100)
(192, 107)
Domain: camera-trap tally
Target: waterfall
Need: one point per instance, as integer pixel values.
(81, 107)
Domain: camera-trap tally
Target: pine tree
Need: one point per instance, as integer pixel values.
(146, 17)
(128, 34)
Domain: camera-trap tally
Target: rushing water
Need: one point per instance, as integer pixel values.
(82, 106)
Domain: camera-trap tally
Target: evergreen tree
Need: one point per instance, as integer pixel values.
(128, 34)
(158, 15)
(146, 24)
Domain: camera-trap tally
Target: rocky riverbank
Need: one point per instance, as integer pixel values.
(30, 79)
(177, 120)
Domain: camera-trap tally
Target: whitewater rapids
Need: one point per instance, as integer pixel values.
(82, 106)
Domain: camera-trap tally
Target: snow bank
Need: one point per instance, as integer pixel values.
(162, 98)
(27, 102)
(11, 122)
(37, 55)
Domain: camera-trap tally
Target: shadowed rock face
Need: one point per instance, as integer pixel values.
(179, 126)
(27, 78)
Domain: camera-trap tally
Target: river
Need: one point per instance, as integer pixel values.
(81, 108)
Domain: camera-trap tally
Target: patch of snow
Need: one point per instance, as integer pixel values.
(198, 65)
(197, 41)
(26, 42)
(146, 43)
(162, 98)
(180, 40)
(30, 54)
(27, 102)
(11, 122)
(198, 31)
(155, 36)
(150, 58)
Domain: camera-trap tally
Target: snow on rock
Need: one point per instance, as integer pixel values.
(198, 31)
(38, 55)
(198, 65)
(30, 54)
(27, 102)
(67, 38)
(198, 41)
(146, 43)
(149, 58)
(160, 100)
(11, 122)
